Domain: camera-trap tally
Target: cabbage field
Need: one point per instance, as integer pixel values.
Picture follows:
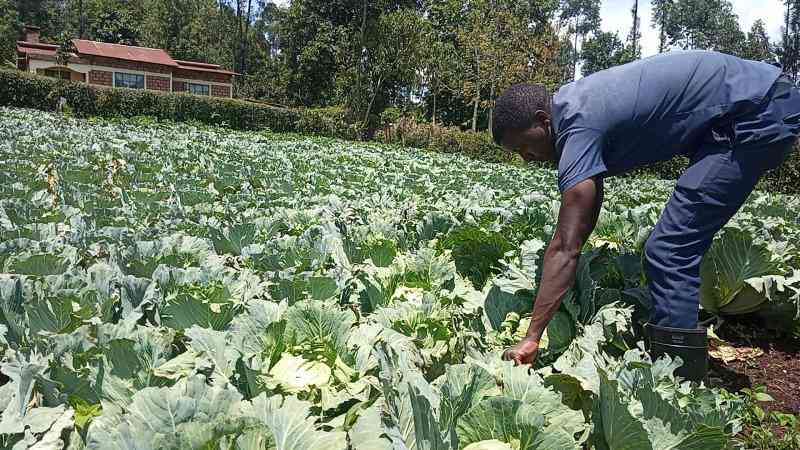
(171, 286)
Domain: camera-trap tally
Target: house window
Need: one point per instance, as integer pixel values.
(199, 89)
(128, 80)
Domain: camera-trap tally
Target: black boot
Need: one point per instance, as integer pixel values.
(690, 344)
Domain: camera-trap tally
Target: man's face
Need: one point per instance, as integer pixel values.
(533, 144)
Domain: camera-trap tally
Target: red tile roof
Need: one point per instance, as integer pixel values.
(126, 52)
(198, 64)
(203, 67)
(36, 48)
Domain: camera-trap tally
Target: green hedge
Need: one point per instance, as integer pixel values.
(330, 122)
(25, 90)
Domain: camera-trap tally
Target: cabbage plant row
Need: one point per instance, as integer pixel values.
(169, 286)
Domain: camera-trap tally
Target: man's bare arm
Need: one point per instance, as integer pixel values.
(577, 217)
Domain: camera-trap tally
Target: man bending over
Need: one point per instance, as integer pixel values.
(735, 119)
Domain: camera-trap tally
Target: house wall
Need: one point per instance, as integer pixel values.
(155, 83)
(158, 78)
(101, 78)
(42, 62)
(129, 66)
(218, 90)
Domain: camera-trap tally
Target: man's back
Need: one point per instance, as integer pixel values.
(651, 110)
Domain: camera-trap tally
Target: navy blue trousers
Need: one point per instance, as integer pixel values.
(723, 172)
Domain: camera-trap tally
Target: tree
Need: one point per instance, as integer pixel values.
(584, 19)
(635, 36)
(790, 49)
(701, 24)
(393, 57)
(436, 68)
(495, 49)
(315, 36)
(758, 46)
(9, 31)
(65, 49)
(603, 51)
(116, 27)
(661, 20)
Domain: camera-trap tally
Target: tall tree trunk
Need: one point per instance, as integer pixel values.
(491, 108)
(433, 115)
(477, 98)
(359, 95)
(245, 40)
(635, 28)
(475, 102)
(662, 38)
(237, 45)
(81, 22)
(493, 84)
(575, 55)
(365, 125)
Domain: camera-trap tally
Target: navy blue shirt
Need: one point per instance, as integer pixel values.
(651, 110)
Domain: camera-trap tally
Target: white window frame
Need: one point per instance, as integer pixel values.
(144, 79)
(210, 83)
(207, 86)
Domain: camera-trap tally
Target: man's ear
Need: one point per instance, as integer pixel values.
(543, 118)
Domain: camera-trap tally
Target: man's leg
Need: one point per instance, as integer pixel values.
(706, 196)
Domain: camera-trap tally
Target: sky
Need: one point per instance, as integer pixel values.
(616, 16)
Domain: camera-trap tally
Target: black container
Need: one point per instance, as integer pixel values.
(690, 344)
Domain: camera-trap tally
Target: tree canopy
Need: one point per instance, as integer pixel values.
(443, 61)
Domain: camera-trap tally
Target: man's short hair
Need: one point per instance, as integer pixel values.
(516, 109)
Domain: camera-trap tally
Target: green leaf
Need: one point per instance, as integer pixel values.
(38, 265)
(367, 432)
(186, 309)
(507, 420)
(622, 430)
(498, 304)
(252, 331)
(476, 252)
(729, 269)
(324, 328)
(290, 423)
(382, 253)
(23, 373)
(159, 415)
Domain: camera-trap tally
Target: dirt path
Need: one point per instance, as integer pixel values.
(750, 356)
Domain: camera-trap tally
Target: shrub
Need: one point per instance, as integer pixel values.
(409, 133)
(327, 122)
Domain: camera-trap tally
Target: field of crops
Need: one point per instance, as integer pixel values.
(177, 287)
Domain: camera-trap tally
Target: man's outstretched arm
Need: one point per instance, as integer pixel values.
(577, 217)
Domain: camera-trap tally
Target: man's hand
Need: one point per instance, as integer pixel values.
(524, 353)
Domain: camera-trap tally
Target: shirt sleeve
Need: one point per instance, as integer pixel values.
(581, 156)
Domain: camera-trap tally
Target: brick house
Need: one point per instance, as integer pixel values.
(116, 65)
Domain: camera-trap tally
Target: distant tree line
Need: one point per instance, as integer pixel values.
(440, 61)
